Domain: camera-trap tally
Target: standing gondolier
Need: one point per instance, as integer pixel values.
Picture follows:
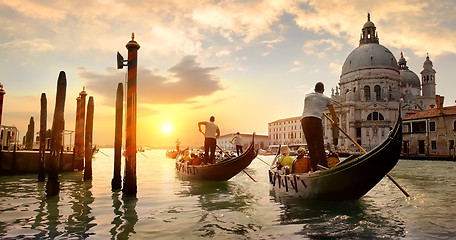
(314, 105)
(211, 133)
(238, 143)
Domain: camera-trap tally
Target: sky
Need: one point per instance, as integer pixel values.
(247, 63)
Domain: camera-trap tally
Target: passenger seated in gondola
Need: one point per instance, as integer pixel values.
(186, 156)
(285, 160)
(195, 159)
(302, 163)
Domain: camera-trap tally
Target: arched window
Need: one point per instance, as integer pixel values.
(375, 116)
(378, 93)
(454, 126)
(367, 93)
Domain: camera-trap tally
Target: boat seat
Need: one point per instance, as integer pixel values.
(302, 165)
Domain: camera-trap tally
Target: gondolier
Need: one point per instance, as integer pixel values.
(211, 133)
(238, 142)
(314, 105)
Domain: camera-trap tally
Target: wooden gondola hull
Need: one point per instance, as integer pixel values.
(349, 180)
(220, 171)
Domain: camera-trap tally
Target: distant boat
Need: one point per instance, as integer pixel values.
(220, 171)
(172, 154)
(348, 180)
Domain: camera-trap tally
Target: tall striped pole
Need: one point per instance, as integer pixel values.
(79, 130)
(130, 187)
(2, 92)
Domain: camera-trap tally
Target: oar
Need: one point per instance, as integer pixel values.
(364, 151)
(103, 153)
(263, 161)
(230, 157)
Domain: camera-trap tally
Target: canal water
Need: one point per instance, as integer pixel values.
(169, 208)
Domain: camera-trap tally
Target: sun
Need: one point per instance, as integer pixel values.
(167, 128)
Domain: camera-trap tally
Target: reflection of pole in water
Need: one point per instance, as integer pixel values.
(130, 216)
(53, 185)
(53, 216)
(40, 215)
(117, 221)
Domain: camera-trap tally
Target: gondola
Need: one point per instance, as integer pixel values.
(220, 171)
(348, 180)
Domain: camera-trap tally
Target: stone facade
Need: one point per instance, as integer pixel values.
(286, 131)
(430, 134)
(261, 141)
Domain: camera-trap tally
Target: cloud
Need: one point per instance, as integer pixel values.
(185, 80)
(270, 43)
(320, 47)
(409, 24)
(35, 45)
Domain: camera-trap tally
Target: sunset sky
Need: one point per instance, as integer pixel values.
(245, 62)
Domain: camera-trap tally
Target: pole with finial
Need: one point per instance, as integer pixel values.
(129, 186)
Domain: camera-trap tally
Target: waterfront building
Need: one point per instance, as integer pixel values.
(286, 131)
(430, 133)
(261, 141)
(371, 86)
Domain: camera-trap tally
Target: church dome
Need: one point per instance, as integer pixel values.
(410, 78)
(368, 56)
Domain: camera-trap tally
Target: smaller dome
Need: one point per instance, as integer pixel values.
(409, 78)
(369, 24)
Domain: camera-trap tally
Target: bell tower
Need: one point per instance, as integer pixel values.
(428, 83)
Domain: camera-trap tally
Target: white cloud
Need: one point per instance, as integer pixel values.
(320, 47)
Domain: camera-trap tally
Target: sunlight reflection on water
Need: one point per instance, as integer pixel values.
(169, 208)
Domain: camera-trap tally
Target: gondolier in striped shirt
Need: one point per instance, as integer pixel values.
(314, 106)
(211, 133)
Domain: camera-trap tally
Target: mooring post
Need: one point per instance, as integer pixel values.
(116, 182)
(130, 187)
(53, 185)
(79, 129)
(88, 140)
(2, 93)
(43, 119)
(30, 134)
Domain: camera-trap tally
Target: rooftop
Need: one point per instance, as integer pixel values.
(430, 113)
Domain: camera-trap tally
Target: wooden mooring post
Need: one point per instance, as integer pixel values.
(53, 185)
(43, 119)
(2, 93)
(88, 140)
(116, 182)
(130, 186)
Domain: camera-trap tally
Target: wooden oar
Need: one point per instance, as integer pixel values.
(263, 161)
(364, 151)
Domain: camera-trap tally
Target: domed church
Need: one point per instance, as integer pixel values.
(371, 85)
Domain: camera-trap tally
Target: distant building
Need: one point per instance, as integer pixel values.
(430, 133)
(261, 141)
(286, 131)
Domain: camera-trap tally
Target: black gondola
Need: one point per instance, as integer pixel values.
(348, 180)
(220, 171)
